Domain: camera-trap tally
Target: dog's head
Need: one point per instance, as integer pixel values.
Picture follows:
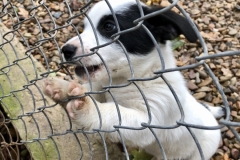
(100, 25)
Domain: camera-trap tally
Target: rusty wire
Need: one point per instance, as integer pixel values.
(9, 10)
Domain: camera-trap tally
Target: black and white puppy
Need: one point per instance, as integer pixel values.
(144, 58)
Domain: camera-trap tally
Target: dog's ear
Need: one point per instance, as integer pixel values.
(168, 25)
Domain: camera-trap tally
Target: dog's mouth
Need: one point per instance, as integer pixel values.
(80, 70)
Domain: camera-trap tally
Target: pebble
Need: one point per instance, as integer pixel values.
(209, 46)
(226, 84)
(223, 47)
(38, 57)
(204, 89)
(41, 14)
(199, 95)
(47, 20)
(57, 14)
(202, 74)
(234, 113)
(237, 146)
(61, 7)
(75, 5)
(208, 97)
(75, 21)
(218, 157)
(233, 88)
(237, 73)
(192, 74)
(225, 140)
(206, 20)
(213, 17)
(211, 26)
(197, 78)
(237, 119)
(56, 59)
(232, 32)
(220, 151)
(32, 40)
(148, 3)
(212, 66)
(28, 35)
(195, 11)
(216, 100)
(225, 78)
(235, 153)
(225, 148)
(45, 27)
(224, 129)
(65, 15)
(227, 90)
(229, 134)
(205, 82)
(191, 85)
(61, 74)
(238, 105)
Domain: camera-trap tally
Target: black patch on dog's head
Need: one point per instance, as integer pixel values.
(166, 26)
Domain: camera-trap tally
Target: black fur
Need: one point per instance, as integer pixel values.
(165, 26)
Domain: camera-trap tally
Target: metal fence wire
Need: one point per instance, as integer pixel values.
(20, 74)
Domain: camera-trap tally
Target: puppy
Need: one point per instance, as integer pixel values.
(107, 88)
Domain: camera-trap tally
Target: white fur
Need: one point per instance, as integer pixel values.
(177, 143)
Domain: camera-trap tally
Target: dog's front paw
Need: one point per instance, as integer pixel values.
(55, 88)
(60, 90)
(75, 105)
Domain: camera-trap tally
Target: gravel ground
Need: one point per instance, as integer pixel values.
(218, 22)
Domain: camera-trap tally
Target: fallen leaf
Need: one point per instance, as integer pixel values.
(177, 43)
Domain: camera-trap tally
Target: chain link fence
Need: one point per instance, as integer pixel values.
(44, 126)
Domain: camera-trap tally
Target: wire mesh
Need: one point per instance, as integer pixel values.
(38, 44)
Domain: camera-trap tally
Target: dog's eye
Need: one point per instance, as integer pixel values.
(108, 26)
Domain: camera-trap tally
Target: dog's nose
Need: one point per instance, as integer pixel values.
(69, 51)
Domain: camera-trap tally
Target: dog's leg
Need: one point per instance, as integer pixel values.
(59, 90)
(85, 112)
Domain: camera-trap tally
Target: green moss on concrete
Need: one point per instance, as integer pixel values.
(26, 126)
(43, 150)
(12, 79)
